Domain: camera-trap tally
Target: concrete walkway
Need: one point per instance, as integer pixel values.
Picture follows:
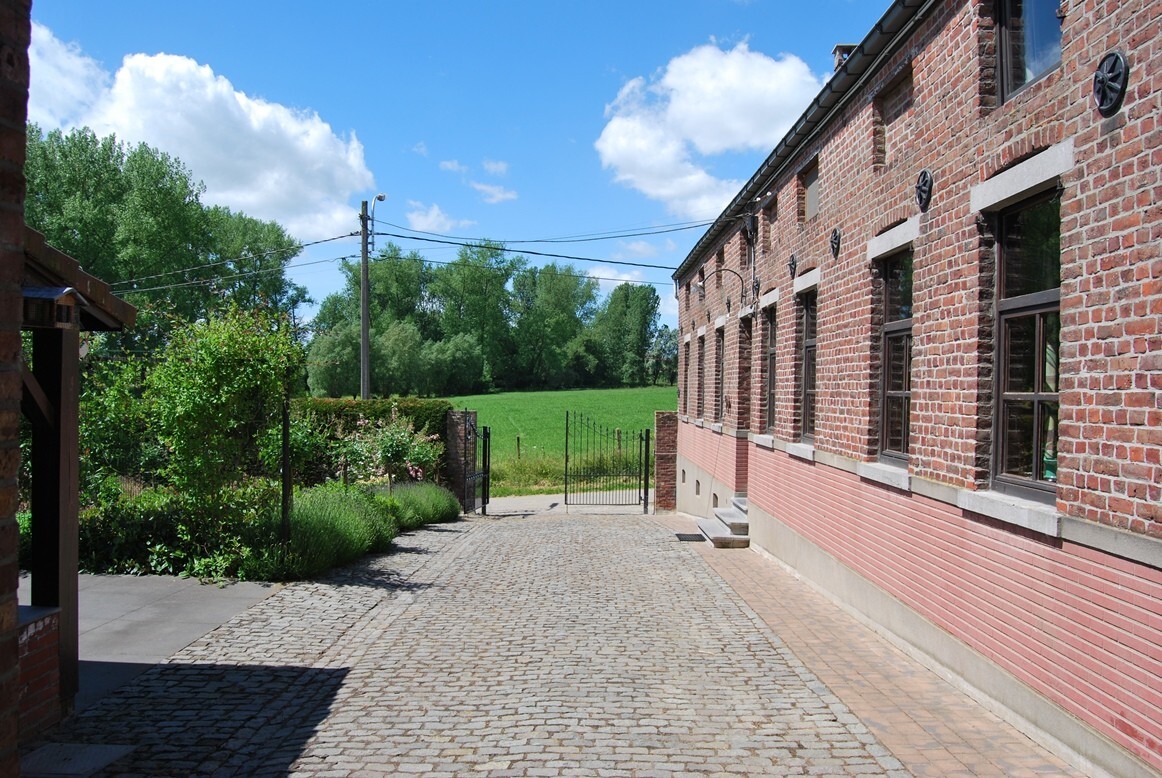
(538, 642)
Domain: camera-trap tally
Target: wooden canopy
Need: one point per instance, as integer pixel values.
(61, 301)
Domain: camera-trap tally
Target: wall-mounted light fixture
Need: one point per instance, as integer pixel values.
(792, 265)
(700, 285)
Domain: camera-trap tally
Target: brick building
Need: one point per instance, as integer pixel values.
(924, 343)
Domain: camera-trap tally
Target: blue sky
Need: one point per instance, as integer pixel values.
(514, 121)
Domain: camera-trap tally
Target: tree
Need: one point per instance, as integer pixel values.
(396, 369)
(220, 385)
(626, 325)
(473, 296)
(552, 306)
(133, 217)
(663, 356)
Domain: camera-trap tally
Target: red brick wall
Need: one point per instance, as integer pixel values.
(40, 688)
(1111, 357)
(15, 30)
(1065, 604)
(1078, 626)
(665, 460)
(1111, 422)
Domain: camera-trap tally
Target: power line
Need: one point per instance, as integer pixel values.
(296, 248)
(500, 247)
(581, 238)
(235, 276)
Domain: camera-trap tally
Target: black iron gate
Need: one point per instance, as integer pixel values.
(477, 465)
(605, 466)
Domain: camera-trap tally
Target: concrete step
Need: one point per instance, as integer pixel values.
(720, 535)
(739, 503)
(734, 519)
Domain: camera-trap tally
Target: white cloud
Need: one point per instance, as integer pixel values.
(453, 166)
(496, 167)
(609, 278)
(431, 218)
(636, 248)
(262, 158)
(65, 82)
(661, 132)
(420, 148)
(493, 194)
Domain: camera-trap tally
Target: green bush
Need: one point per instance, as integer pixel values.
(424, 503)
(329, 526)
(165, 532)
(24, 527)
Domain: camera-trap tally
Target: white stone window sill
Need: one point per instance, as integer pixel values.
(1012, 510)
(895, 476)
(804, 451)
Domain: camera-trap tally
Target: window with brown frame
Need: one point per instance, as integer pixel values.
(720, 376)
(808, 332)
(769, 337)
(1028, 343)
(1029, 42)
(701, 401)
(896, 355)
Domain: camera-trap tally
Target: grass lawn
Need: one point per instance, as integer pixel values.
(538, 420)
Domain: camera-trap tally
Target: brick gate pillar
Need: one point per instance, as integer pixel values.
(665, 460)
(460, 458)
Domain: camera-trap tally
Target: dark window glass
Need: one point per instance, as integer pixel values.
(896, 378)
(1033, 249)
(1030, 42)
(770, 338)
(807, 400)
(686, 378)
(1029, 324)
(720, 376)
(701, 377)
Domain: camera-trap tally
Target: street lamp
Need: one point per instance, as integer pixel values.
(364, 306)
(700, 285)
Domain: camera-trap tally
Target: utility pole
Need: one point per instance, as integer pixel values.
(364, 311)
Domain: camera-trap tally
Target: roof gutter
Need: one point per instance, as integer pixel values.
(884, 40)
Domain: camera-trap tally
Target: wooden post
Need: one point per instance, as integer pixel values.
(55, 462)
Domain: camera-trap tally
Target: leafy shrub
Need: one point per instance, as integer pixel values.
(343, 415)
(424, 503)
(329, 526)
(165, 532)
(24, 527)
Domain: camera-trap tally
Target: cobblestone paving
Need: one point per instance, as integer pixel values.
(548, 645)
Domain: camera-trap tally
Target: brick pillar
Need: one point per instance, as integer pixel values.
(15, 31)
(460, 458)
(665, 460)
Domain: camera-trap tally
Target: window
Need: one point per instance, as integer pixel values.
(701, 401)
(809, 185)
(769, 337)
(1030, 42)
(896, 355)
(720, 376)
(1028, 341)
(808, 330)
(686, 378)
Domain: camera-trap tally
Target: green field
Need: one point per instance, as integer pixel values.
(537, 419)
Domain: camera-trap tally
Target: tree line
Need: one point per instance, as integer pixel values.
(133, 217)
(486, 321)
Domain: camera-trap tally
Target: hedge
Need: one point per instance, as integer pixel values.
(426, 414)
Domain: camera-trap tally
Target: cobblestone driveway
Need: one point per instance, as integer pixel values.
(538, 645)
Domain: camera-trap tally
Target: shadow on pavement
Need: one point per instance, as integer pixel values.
(205, 718)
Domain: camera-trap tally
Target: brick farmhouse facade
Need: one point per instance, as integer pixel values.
(925, 343)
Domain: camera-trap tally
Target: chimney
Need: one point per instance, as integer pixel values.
(841, 52)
